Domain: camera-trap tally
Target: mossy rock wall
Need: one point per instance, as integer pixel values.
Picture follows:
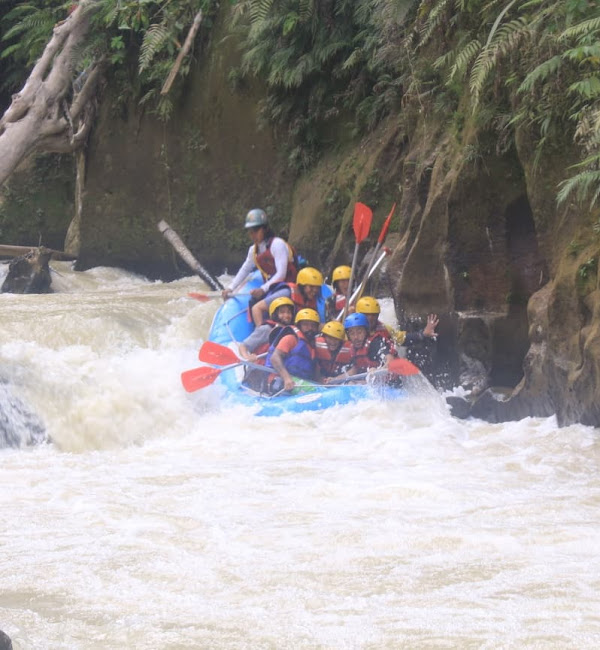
(36, 203)
(478, 239)
(201, 172)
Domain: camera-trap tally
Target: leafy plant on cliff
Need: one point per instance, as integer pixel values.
(544, 55)
(319, 62)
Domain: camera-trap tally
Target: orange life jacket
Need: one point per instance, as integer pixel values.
(299, 300)
(332, 364)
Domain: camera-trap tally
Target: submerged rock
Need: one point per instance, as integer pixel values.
(19, 425)
(29, 273)
(5, 642)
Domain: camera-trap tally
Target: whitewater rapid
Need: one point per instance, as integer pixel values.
(157, 519)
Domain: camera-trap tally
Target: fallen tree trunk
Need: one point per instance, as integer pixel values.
(16, 251)
(40, 116)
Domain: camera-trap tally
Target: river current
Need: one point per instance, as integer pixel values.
(158, 519)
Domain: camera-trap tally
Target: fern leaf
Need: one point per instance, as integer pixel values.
(584, 28)
(434, 20)
(259, 10)
(445, 60)
(541, 73)
(154, 38)
(481, 69)
(356, 57)
(464, 58)
(583, 52)
(588, 88)
(583, 185)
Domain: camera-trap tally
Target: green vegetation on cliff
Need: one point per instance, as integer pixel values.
(345, 64)
(495, 65)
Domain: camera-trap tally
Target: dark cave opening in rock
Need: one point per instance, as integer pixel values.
(526, 273)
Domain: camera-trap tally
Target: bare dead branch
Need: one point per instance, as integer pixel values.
(88, 90)
(184, 50)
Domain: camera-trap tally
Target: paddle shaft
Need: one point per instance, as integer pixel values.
(365, 280)
(361, 224)
(380, 240)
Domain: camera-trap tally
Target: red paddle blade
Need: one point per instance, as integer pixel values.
(199, 378)
(386, 226)
(212, 352)
(202, 297)
(403, 367)
(363, 215)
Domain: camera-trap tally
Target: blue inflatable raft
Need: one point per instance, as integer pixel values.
(231, 324)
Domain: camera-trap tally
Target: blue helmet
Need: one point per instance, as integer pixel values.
(356, 320)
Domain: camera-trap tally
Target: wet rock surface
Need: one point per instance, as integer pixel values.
(19, 425)
(29, 273)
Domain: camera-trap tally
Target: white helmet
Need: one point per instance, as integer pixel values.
(256, 218)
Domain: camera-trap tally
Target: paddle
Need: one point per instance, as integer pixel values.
(212, 352)
(201, 377)
(204, 376)
(395, 367)
(220, 355)
(363, 215)
(217, 354)
(205, 297)
(173, 238)
(380, 240)
(386, 251)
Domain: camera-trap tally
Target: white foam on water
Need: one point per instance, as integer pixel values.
(165, 519)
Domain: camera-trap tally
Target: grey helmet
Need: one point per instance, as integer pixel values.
(255, 218)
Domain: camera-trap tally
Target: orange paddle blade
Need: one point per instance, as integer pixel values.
(220, 355)
(202, 297)
(199, 378)
(386, 226)
(403, 367)
(363, 215)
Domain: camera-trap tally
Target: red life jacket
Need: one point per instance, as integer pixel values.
(339, 302)
(361, 360)
(372, 353)
(265, 262)
(299, 300)
(332, 365)
(381, 330)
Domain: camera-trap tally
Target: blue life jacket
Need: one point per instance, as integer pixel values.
(300, 360)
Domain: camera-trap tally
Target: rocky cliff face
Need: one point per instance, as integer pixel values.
(515, 279)
(480, 241)
(200, 172)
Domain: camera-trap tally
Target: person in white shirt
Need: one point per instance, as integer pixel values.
(271, 255)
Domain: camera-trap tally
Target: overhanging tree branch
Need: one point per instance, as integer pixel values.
(36, 118)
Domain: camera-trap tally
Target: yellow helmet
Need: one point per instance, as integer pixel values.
(309, 275)
(341, 273)
(307, 314)
(280, 302)
(334, 329)
(367, 305)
